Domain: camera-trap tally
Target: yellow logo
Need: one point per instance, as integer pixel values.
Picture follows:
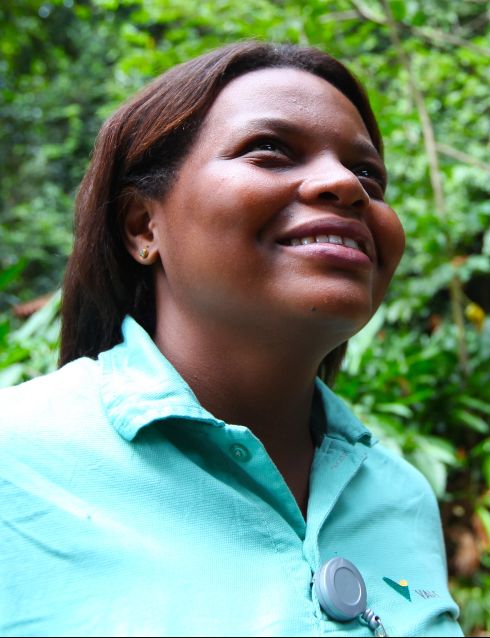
(401, 587)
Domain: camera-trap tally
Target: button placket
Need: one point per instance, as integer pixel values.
(341, 461)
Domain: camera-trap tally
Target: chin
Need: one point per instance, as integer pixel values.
(339, 323)
(346, 312)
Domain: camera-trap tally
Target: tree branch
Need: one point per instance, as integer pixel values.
(427, 128)
(338, 16)
(456, 295)
(432, 35)
(455, 287)
(367, 14)
(444, 149)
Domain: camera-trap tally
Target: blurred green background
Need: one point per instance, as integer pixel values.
(419, 373)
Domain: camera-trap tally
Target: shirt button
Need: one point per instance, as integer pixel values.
(240, 453)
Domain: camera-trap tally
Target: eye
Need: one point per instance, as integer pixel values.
(271, 147)
(372, 179)
(369, 172)
(365, 172)
(267, 149)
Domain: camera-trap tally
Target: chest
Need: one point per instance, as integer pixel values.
(184, 542)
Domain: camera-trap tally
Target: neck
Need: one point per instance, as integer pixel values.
(259, 384)
(266, 386)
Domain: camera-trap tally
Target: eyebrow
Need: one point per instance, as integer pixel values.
(276, 124)
(285, 126)
(366, 148)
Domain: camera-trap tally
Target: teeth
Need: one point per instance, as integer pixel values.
(307, 240)
(351, 243)
(326, 239)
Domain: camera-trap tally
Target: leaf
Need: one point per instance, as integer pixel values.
(11, 273)
(38, 323)
(395, 408)
(484, 516)
(13, 353)
(433, 470)
(471, 420)
(437, 448)
(417, 397)
(361, 342)
(486, 470)
(4, 331)
(476, 404)
(399, 9)
(11, 375)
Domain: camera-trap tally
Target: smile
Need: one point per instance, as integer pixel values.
(326, 239)
(331, 234)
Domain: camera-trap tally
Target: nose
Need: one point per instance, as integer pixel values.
(331, 181)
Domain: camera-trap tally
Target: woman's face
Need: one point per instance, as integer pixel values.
(277, 216)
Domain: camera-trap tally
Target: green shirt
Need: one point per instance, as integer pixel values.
(129, 510)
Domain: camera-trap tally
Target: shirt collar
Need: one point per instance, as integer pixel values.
(333, 418)
(140, 386)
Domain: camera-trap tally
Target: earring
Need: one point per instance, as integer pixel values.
(144, 252)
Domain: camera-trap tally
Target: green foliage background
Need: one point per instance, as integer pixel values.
(419, 373)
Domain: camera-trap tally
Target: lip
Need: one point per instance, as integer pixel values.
(350, 228)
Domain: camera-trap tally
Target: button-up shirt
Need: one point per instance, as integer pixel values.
(127, 509)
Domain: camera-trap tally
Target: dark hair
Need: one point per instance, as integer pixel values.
(139, 149)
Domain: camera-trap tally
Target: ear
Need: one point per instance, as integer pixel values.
(137, 229)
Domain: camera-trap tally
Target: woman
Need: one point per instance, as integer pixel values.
(184, 472)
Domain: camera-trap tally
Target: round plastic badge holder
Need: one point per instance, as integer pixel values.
(341, 592)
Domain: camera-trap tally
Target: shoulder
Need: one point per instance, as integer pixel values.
(383, 471)
(394, 466)
(50, 405)
(397, 474)
(408, 499)
(40, 392)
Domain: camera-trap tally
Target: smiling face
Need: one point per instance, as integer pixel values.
(277, 218)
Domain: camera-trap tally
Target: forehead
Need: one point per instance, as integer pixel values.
(288, 94)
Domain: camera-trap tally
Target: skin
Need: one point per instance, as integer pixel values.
(243, 318)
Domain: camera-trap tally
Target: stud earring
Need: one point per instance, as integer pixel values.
(144, 252)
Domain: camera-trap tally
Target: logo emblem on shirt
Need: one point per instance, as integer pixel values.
(401, 587)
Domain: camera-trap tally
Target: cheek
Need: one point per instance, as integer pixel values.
(240, 200)
(391, 240)
(210, 222)
(390, 243)
(398, 239)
